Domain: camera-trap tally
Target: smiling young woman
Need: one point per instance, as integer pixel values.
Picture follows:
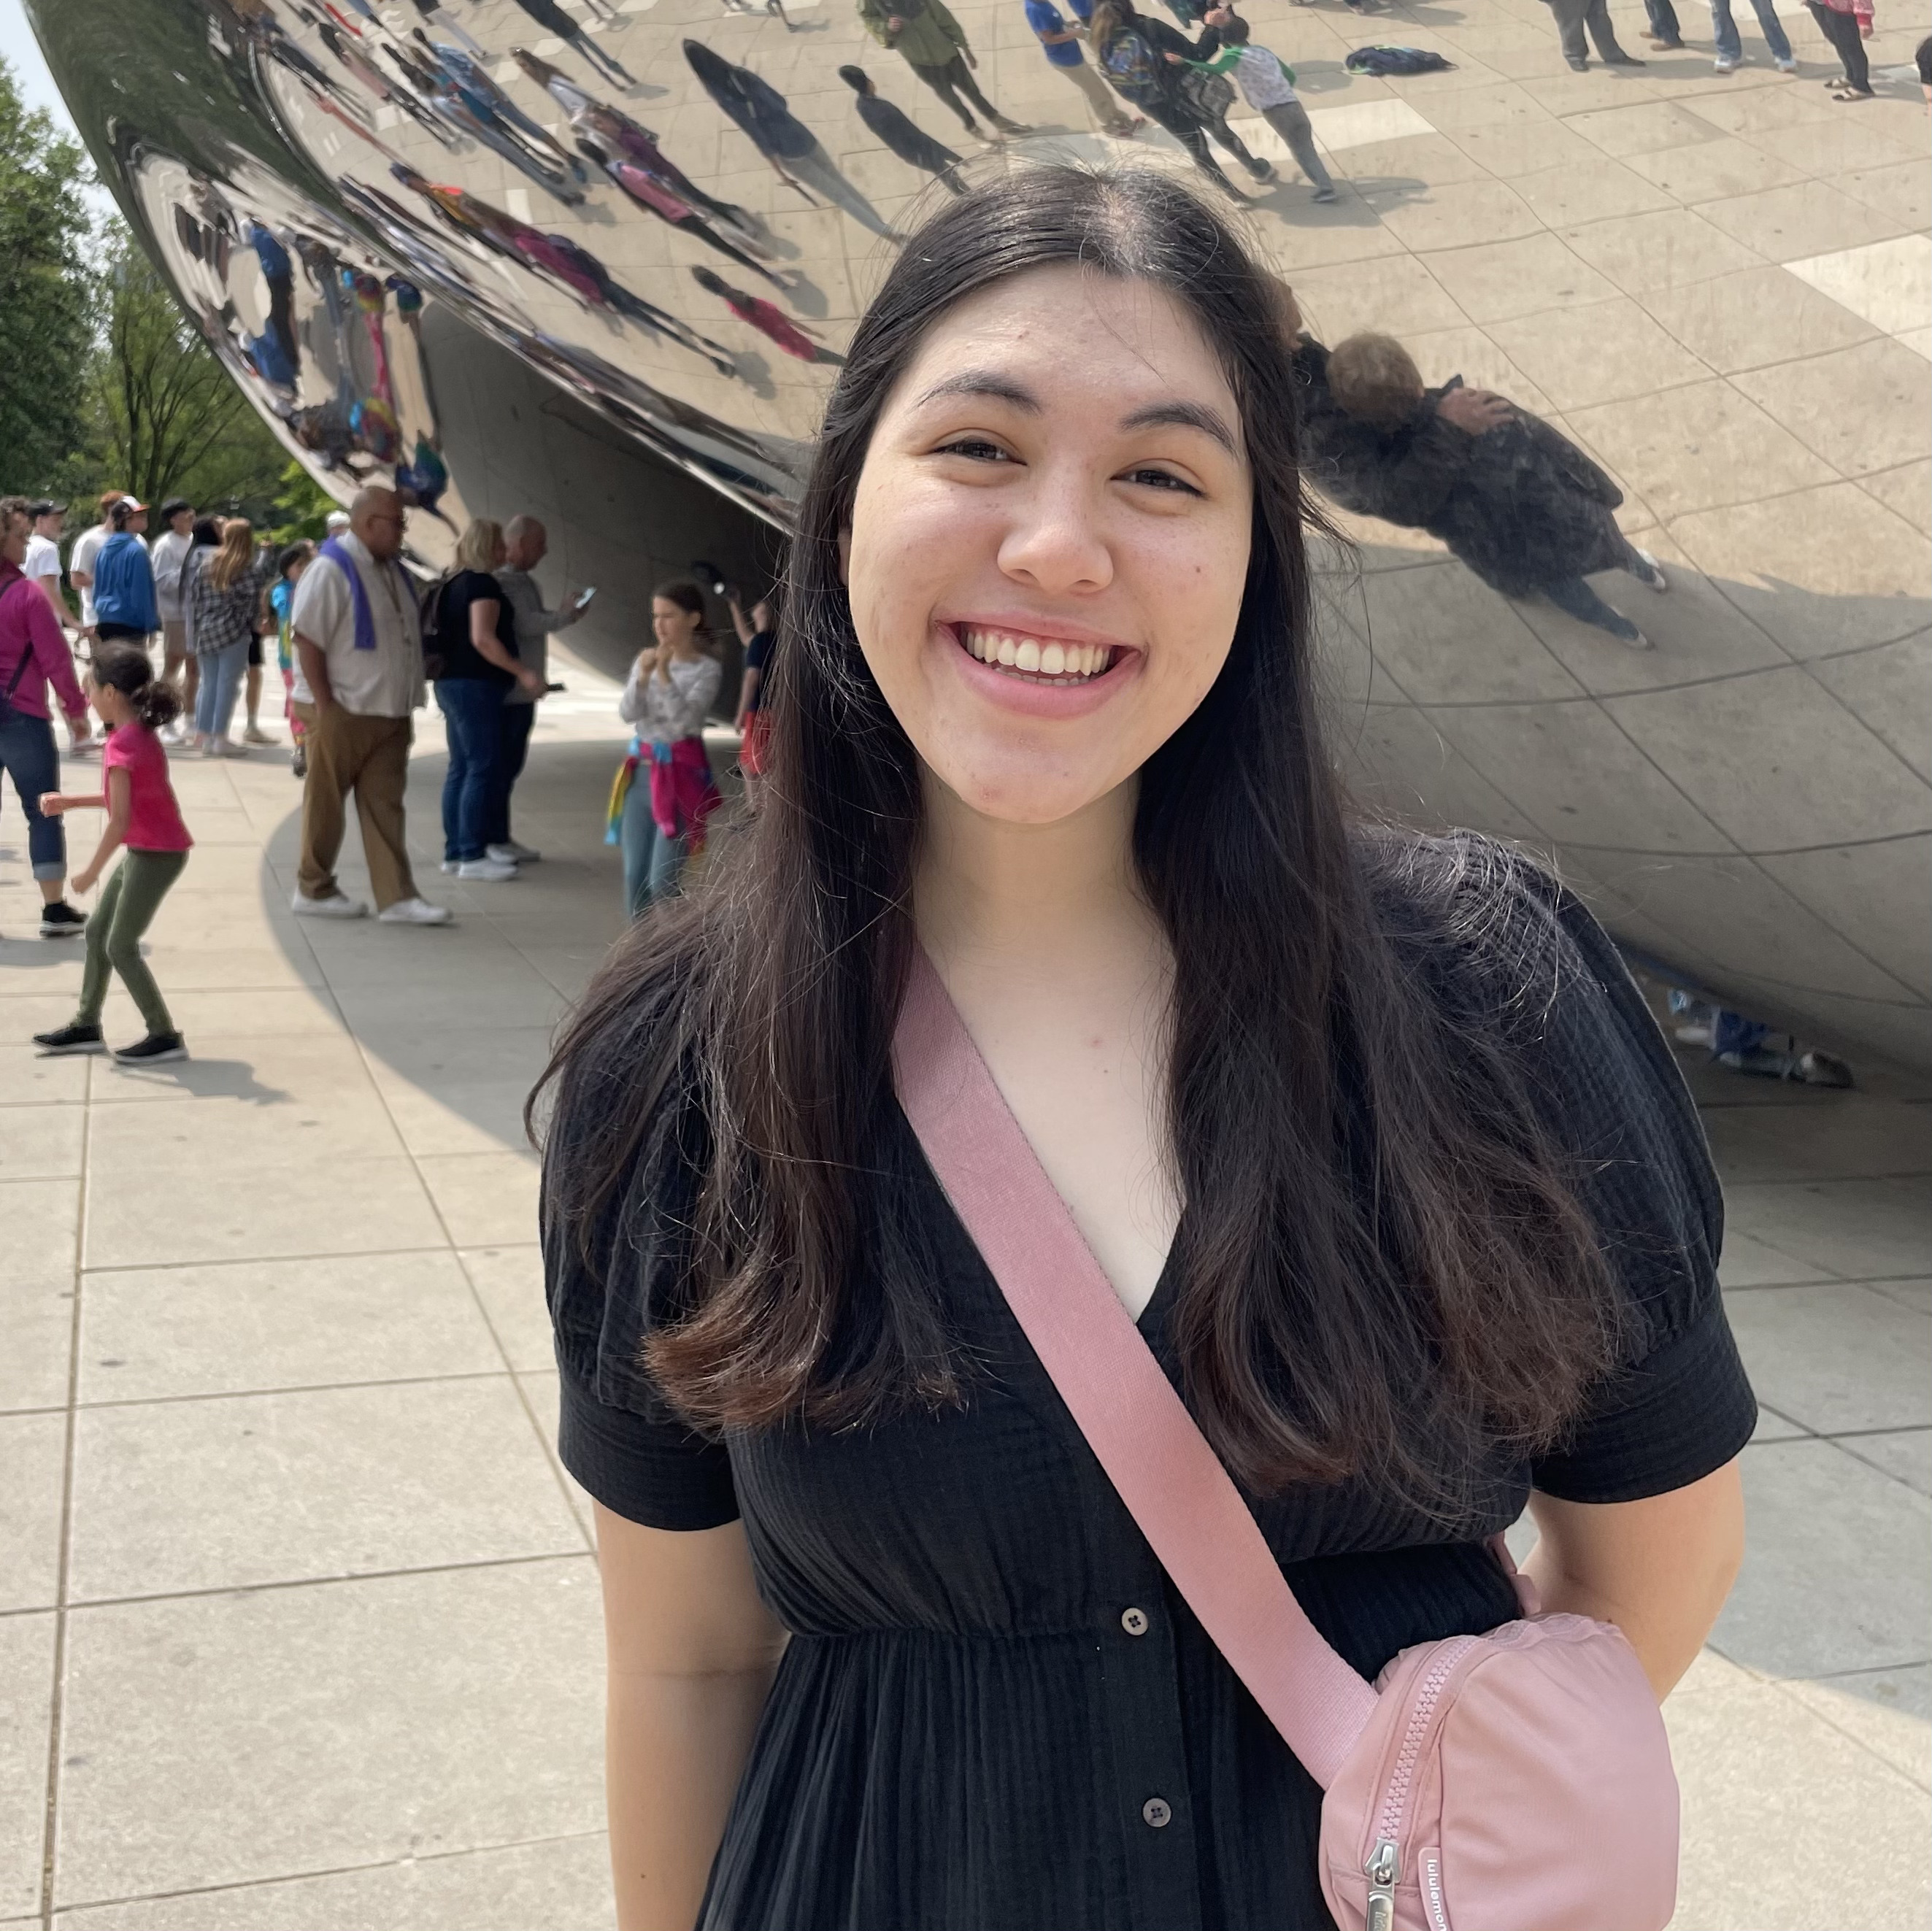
(1371, 1133)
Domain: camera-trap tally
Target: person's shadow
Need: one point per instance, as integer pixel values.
(206, 1079)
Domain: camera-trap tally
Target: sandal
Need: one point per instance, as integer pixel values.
(1848, 93)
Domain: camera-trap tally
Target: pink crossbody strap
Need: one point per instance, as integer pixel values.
(1137, 1426)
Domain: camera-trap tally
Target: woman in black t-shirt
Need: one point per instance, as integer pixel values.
(757, 634)
(476, 647)
(1371, 1132)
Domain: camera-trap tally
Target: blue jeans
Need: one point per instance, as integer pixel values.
(28, 757)
(1663, 22)
(652, 862)
(472, 708)
(221, 673)
(1724, 30)
(513, 745)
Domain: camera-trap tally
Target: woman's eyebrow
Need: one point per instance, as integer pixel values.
(1183, 415)
(984, 382)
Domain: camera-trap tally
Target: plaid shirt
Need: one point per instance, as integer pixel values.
(218, 619)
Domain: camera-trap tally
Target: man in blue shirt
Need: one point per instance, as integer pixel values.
(1061, 43)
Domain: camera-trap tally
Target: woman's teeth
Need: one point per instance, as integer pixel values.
(1071, 663)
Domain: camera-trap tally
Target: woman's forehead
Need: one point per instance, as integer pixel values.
(1070, 335)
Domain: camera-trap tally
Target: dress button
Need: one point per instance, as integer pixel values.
(1134, 1621)
(1157, 1813)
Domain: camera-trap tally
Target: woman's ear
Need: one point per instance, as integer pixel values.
(845, 555)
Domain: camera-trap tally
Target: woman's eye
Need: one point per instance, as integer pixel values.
(1160, 479)
(976, 449)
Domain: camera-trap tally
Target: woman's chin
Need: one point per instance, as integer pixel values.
(1021, 790)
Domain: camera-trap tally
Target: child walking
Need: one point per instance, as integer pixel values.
(143, 818)
(1267, 82)
(281, 602)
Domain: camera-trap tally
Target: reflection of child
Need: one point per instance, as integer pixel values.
(1267, 82)
(143, 817)
(289, 567)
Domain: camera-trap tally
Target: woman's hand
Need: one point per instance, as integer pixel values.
(52, 804)
(528, 681)
(84, 880)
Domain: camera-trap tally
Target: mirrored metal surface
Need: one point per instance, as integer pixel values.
(1709, 289)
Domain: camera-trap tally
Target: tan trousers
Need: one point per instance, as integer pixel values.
(370, 756)
(1102, 102)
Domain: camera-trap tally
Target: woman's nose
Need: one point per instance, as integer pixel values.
(1057, 542)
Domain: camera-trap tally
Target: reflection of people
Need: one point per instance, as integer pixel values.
(768, 318)
(1061, 43)
(549, 16)
(757, 634)
(901, 134)
(1267, 85)
(1573, 17)
(1847, 26)
(144, 824)
(762, 115)
(934, 45)
(664, 790)
(478, 667)
(526, 542)
(35, 663)
(359, 677)
(1132, 49)
(1308, 1088)
(656, 197)
(1730, 50)
(1519, 503)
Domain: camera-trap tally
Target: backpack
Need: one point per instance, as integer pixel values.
(1208, 95)
(1396, 61)
(429, 619)
(1128, 61)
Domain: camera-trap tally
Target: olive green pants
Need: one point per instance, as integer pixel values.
(128, 903)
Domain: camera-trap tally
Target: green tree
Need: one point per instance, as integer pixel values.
(44, 308)
(166, 418)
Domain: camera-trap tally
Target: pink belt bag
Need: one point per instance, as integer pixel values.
(1518, 1781)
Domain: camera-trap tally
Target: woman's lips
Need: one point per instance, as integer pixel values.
(1053, 675)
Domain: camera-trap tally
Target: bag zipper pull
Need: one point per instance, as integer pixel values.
(1383, 1867)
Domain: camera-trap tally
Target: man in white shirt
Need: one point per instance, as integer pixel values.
(526, 542)
(168, 553)
(43, 565)
(86, 548)
(359, 678)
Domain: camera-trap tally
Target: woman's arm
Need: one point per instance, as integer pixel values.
(1659, 1568)
(690, 1651)
(747, 691)
(489, 647)
(119, 800)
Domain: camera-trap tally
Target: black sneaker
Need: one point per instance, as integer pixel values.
(61, 921)
(152, 1051)
(71, 1039)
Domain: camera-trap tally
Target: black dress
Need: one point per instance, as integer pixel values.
(993, 1714)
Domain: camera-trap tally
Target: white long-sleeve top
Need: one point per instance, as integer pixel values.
(665, 711)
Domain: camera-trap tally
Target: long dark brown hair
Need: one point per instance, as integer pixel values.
(1381, 1268)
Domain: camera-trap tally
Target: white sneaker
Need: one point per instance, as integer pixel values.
(413, 912)
(1654, 576)
(510, 853)
(485, 870)
(1728, 63)
(447, 866)
(337, 905)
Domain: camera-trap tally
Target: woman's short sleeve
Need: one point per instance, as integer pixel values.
(616, 1434)
(1610, 1091)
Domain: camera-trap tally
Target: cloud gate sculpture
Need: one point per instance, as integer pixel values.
(597, 259)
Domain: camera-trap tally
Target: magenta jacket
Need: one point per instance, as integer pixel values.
(27, 628)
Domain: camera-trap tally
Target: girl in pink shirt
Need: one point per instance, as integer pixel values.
(143, 818)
